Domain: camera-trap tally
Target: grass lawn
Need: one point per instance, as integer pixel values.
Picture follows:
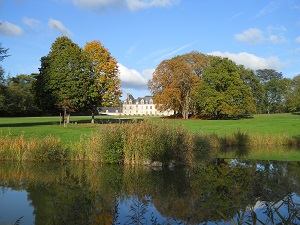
(282, 124)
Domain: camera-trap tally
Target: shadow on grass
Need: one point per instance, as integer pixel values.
(296, 113)
(80, 121)
(28, 124)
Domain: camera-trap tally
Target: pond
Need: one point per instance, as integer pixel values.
(221, 191)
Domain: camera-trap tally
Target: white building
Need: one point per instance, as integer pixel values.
(142, 106)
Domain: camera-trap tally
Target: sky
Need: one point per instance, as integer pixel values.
(140, 34)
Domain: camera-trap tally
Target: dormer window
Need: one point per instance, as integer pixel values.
(151, 101)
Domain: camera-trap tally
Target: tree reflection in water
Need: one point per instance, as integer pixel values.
(221, 191)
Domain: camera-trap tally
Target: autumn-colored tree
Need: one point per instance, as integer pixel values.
(222, 92)
(104, 71)
(175, 81)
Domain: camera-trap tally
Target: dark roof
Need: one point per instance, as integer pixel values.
(139, 99)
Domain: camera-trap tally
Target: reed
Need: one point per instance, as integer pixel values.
(19, 149)
(142, 142)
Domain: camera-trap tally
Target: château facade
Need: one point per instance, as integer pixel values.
(142, 106)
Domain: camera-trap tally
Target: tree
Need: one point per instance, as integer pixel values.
(105, 75)
(64, 78)
(274, 90)
(293, 95)
(250, 79)
(17, 98)
(175, 81)
(222, 92)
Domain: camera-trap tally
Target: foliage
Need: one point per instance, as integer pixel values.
(17, 98)
(105, 73)
(250, 79)
(275, 87)
(222, 92)
(64, 77)
(3, 55)
(293, 95)
(175, 81)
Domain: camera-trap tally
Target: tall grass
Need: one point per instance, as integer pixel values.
(143, 142)
(33, 149)
(140, 142)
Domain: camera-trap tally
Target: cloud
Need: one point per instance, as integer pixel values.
(132, 5)
(131, 78)
(276, 34)
(251, 36)
(271, 7)
(10, 29)
(251, 61)
(175, 51)
(236, 15)
(58, 26)
(297, 39)
(30, 22)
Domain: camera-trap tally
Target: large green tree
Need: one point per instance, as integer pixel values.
(64, 78)
(275, 87)
(175, 81)
(250, 79)
(223, 92)
(76, 79)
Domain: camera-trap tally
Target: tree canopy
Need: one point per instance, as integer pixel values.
(105, 73)
(74, 79)
(222, 92)
(175, 81)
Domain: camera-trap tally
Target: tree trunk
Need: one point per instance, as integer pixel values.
(93, 117)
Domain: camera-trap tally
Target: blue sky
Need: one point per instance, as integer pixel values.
(259, 34)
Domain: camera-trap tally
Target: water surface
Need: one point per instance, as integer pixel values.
(214, 192)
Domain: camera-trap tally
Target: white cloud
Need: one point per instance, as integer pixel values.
(276, 34)
(10, 29)
(298, 39)
(251, 36)
(30, 22)
(175, 51)
(140, 4)
(271, 7)
(58, 26)
(133, 5)
(131, 78)
(236, 16)
(251, 61)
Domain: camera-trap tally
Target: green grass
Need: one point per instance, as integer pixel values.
(41, 127)
(260, 128)
(279, 124)
(283, 124)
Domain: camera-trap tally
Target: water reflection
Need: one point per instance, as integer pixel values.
(217, 192)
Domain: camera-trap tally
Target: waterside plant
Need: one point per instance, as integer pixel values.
(143, 142)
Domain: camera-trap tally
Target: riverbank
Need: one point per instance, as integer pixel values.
(154, 139)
